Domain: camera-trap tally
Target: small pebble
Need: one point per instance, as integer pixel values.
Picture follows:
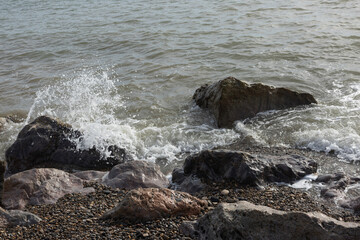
(225, 192)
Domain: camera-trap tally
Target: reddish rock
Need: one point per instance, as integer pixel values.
(39, 186)
(136, 174)
(231, 100)
(146, 204)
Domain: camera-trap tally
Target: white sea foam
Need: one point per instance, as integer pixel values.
(90, 102)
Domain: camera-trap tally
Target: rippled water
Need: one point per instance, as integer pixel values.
(124, 71)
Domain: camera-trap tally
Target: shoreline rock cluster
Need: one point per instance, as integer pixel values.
(80, 194)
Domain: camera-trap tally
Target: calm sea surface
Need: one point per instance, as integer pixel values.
(124, 71)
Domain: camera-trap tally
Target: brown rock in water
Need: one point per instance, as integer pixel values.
(45, 143)
(231, 100)
(146, 204)
(244, 220)
(39, 186)
(136, 174)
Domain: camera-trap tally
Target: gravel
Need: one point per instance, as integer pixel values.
(75, 216)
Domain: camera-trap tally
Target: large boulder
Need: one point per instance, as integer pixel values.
(40, 186)
(17, 218)
(136, 174)
(146, 204)
(231, 100)
(244, 220)
(246, 169)
(46, 142)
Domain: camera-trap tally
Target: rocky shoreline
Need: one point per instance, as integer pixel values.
(76, 216)
(61, 192)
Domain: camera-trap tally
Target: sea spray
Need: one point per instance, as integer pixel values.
(92, 103)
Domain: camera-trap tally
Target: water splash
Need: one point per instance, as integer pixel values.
(92, 103)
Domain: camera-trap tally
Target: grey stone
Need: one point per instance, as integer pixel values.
(190, 184)
(188, 229)
(244, 220)
(40, 186)
(136, 174)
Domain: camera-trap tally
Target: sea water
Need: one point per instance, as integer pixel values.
(124, 72)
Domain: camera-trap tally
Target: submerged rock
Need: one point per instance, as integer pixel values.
(247, 169)
(146, 204)
(46, 143)
(244, 220)
(17, 218)
(39, 186)
(136, 174)
(231, 100)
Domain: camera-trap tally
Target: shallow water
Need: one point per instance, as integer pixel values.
(124, 71)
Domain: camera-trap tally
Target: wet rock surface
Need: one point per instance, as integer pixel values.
(230, 100)
(244, 220)
(244, 168)
(45, 142)
(136, 174)
(144, 204)
(39, 186)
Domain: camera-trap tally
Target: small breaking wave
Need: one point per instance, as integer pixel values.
(92, 103)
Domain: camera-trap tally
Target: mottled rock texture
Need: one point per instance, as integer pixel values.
(146, 204)
(39, 186)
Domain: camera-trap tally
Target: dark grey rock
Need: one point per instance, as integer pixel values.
(188, 229)
(21, 218)
(247, 169)
(190, 184)
(17, 218)
(45, 143)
